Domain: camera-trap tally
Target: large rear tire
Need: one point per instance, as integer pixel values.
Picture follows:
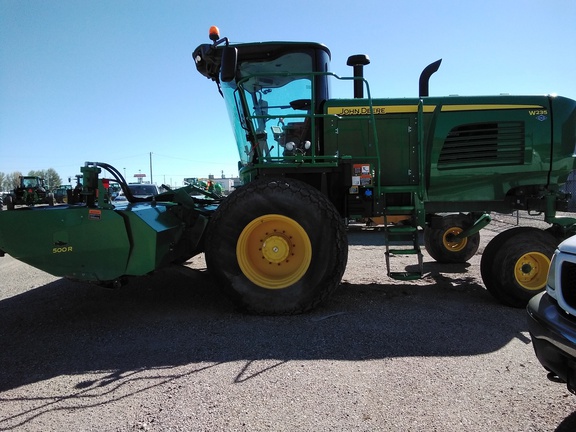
(9, 202)
(443, 247)
(514, 265)
(276, 247)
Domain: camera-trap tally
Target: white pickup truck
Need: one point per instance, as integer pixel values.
(552, 317)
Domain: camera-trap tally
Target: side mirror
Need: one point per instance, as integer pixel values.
(228, 64)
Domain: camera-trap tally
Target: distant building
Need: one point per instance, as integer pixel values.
(139, 177)
(228, 184)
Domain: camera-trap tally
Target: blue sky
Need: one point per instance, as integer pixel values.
(113, 80)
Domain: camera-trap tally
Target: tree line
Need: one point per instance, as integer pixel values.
(9, 181)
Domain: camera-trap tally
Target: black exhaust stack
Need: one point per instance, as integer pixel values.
(358, 62)
(425, 77)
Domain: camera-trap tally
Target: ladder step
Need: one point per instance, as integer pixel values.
(405, 275)
(393, 209)
(401, 189)
(403, 229)
(404, 238)
(403, 251)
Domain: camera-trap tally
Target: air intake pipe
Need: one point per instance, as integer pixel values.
(358, 62)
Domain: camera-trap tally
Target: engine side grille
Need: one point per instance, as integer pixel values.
(483, 144)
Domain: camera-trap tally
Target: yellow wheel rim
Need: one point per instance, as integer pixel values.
(451, 244)
(531, 270)
(274, 251)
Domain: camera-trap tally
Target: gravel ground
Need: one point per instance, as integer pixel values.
(168, 353)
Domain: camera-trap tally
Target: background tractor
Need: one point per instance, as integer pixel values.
(430, 168)
(30, 191)
(61, 193)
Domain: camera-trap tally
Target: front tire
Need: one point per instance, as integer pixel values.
(276, 247)
(443, 247)
(514, 265)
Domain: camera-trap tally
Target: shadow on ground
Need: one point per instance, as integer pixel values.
(177, 317)
(568, 424)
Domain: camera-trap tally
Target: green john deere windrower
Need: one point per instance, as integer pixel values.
(424, 167)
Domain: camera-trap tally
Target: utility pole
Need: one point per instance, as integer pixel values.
(151, 178)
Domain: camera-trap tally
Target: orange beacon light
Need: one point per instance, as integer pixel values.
(214, 33)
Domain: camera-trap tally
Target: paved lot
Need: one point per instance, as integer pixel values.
(167, 352)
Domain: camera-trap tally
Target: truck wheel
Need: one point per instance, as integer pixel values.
(276, 247)
(515, 264)
(442, 246)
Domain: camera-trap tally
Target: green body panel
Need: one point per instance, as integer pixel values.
(154, 233)
(94, 244)
(79, 243)
(534, 150)
(392, 152)
(507, 162)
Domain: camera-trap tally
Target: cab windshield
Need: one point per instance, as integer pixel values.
(269, 104)
(30, 182)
